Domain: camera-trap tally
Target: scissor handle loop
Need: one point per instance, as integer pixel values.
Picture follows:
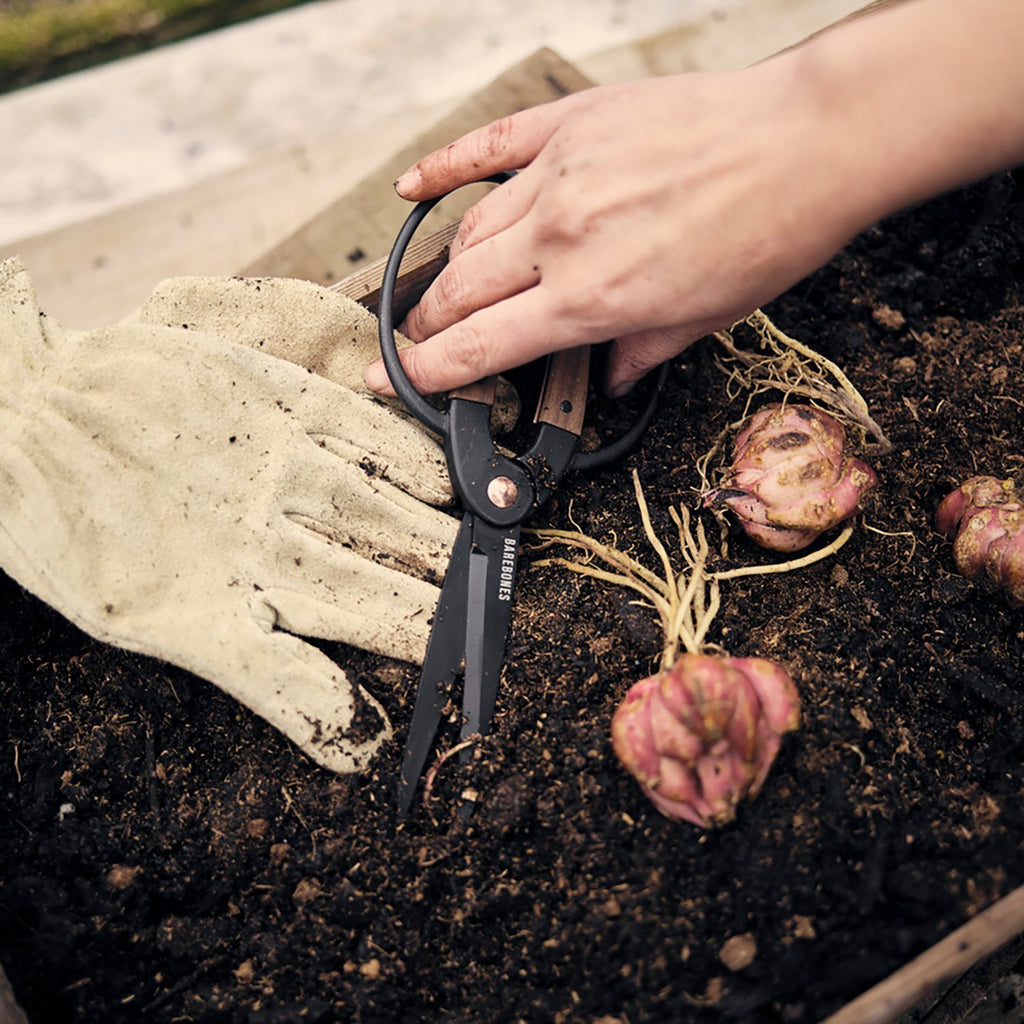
(434, 419)
(625, 441)
(413, 400)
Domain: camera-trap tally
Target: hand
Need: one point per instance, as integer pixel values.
(651, 212)
(655, 212)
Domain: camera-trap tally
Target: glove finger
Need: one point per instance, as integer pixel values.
(291, 319)
(26, 349)
(329, 334)
(339, 501)
(383, 611)
(295, 687)
(369, 434)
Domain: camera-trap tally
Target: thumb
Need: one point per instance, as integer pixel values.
(632, 356)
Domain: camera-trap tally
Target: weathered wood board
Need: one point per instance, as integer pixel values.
(361, 225)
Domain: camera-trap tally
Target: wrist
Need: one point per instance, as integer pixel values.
(913, 101)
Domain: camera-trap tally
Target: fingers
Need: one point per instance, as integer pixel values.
(510, 333)
(503, 145)
(492, 270)
(489, 261)
(633, 356)
(502, 207)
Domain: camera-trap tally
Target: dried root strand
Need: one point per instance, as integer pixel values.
(684, 605)
(793, 368)
(687, 600)
(794, 563)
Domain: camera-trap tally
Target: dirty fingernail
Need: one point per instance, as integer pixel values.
(408, 181)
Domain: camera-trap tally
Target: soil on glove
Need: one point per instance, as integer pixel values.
(166, 856)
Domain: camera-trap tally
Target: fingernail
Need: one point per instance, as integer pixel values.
(377, 376)
(621, 389)
(408, 181)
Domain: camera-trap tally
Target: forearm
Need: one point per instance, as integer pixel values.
(915, 100)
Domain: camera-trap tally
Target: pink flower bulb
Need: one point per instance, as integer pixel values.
(702, 735)
(790, 478)
(985, 519)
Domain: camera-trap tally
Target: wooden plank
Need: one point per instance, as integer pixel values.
(958, 1003)
(361, 225)
(946, 960)
(424, 259)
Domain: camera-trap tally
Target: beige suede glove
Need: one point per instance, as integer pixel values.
(174, 489)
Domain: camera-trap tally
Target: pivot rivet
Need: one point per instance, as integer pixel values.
(502, 492)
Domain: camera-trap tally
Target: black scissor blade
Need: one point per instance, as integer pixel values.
(442, 663)
(492, 574)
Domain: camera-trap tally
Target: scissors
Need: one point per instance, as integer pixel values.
(498, 493)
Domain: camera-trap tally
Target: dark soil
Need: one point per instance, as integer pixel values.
(202, 869)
